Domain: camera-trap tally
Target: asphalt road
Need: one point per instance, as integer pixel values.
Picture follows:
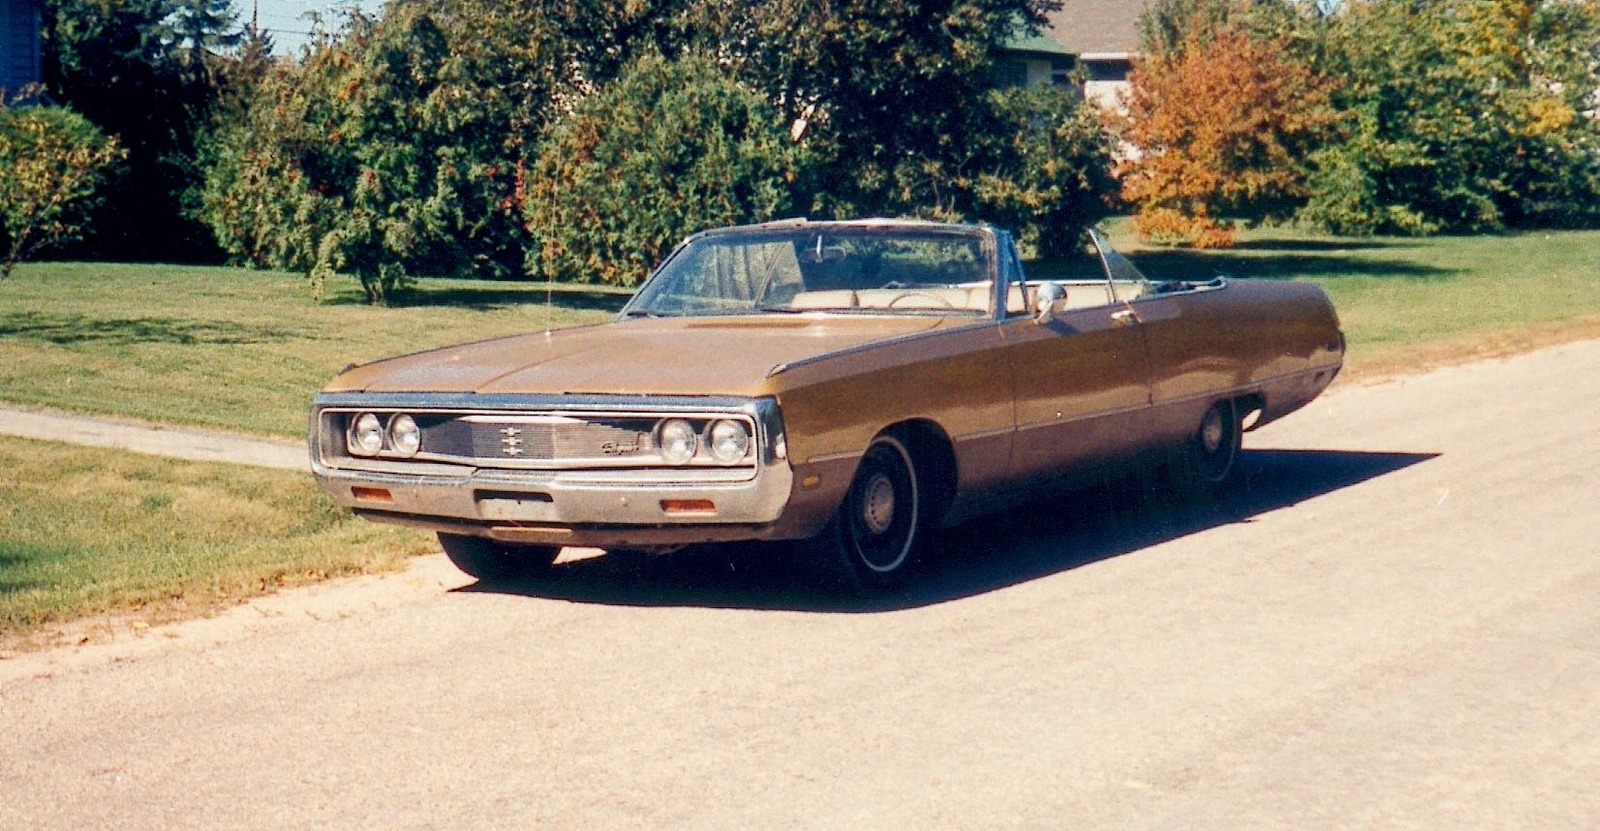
(1396, 626)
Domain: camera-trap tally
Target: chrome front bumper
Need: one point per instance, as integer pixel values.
(527, 506)
(604, 507)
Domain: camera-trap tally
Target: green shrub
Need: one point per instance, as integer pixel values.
(669, 147)
(1461, 115)
(52, 163)
(394, 149)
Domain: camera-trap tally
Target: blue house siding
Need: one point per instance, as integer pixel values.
(19, 45)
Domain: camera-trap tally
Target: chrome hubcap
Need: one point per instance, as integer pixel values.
(877, 504)
(1211, 432)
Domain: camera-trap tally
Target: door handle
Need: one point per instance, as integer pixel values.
(1126, 317)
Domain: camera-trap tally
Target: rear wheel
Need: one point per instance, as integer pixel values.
(486, 559)
(1212, 461)
(883, 525)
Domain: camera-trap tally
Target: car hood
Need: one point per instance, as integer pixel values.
(664, 356)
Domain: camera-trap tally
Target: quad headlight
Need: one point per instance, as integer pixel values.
(365, 436)
(725, 441)
(368, 436)
(677, 440)
(729, 441)
(557, 441)
(405, 437)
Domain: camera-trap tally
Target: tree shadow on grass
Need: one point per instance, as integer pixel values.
(487, 299)
(68, 329)
(1054, 535)
(1331, 245)
(491, 297)
(9, 562)
(1278, 261)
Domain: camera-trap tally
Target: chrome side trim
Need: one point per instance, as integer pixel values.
(1115, 411)
(849, 455)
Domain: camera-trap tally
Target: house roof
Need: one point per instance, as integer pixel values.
(1097, 27)
(1022, 42)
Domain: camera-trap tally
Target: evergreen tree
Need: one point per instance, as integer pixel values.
(126, 68)
(202, 30)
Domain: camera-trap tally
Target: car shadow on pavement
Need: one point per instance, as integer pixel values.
(1043, 537)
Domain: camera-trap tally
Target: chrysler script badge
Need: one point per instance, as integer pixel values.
(615, 448)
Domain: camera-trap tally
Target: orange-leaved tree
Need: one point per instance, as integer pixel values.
(1219, 129)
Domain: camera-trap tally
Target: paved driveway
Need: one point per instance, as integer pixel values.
(1397, 626)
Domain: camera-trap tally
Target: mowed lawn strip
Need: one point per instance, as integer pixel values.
(231, 348)
(89, 531)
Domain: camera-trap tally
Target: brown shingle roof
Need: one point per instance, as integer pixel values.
(1097, 26)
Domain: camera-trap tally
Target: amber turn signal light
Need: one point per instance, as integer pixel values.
(372, 494)
(688, 506)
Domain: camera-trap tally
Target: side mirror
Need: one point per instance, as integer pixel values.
(1048, 299)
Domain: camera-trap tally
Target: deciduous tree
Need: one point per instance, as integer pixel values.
(668, 148)
(138, 69)
(1221, 123)
(1463, 115)
(889, 97)
(393, 149)
(404, 144)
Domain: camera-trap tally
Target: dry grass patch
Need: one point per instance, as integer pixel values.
(88, 531)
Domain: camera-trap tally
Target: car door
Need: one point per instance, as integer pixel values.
(1082, 382)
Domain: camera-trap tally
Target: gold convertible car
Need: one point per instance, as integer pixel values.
(858, 385)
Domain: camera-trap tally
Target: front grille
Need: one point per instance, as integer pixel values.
(486, 437)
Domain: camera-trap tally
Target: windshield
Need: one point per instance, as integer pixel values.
(824, 268)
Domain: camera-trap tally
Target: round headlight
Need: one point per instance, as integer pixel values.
(677, 441)
(729, 441)
(405, 437)
(366, 435)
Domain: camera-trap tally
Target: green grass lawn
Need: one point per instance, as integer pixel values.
(231, 348)
(245, 350)
(87, 531)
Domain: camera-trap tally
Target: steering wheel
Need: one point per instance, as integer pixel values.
(899, 297)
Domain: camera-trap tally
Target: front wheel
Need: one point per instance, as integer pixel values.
(486, 559)
(883, 525)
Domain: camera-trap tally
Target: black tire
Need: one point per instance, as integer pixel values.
(884, 524)
(1212, 455)
(486, 559)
